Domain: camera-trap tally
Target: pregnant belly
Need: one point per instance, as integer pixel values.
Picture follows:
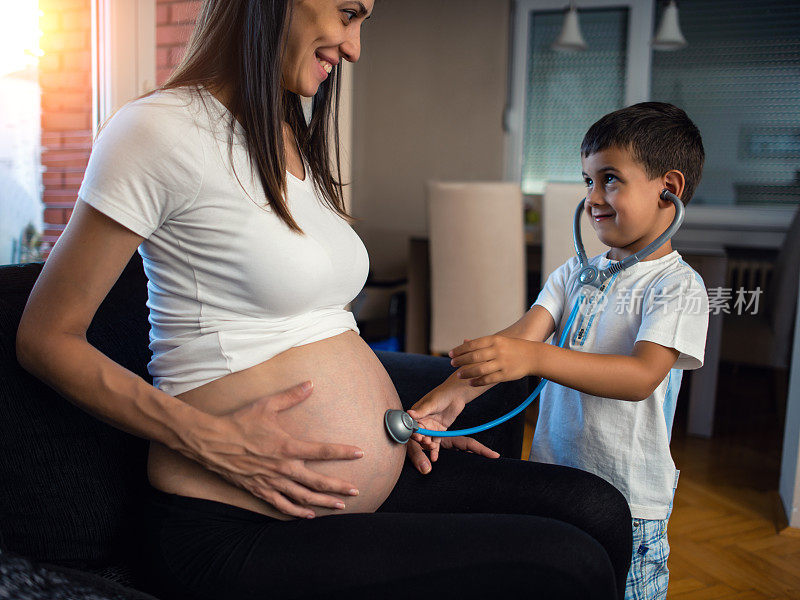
(351, 393)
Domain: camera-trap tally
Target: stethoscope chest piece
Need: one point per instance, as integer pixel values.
(399, 425)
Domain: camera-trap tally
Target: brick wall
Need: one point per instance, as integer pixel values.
(65, 80)
(174, 23)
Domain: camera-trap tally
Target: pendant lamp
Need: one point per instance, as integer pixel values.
(669, 36)
(570, 39)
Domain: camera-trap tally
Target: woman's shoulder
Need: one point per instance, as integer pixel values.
(152, 138)
(160, 126)
(147, 163)
(163, 114)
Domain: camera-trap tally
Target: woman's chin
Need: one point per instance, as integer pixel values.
(304, 89)
(308, 89)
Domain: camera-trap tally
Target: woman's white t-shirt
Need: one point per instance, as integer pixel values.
(230, 285)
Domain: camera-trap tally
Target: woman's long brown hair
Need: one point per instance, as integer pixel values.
(239, 45)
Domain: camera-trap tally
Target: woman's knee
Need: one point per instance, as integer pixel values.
(552, 559)
(610, 510)
(579, 567)
(588, 495)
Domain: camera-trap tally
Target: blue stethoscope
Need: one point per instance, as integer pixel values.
(400, 425)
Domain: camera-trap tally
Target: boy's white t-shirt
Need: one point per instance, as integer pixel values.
(229, 284)
(626, 443)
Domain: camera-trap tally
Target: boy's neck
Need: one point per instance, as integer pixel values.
(620, 253)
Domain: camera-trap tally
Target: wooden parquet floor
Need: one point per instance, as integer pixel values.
(727, 532)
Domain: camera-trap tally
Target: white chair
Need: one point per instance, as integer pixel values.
(558, 211)
(477, 260)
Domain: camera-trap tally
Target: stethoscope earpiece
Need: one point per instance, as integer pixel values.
(590, 275)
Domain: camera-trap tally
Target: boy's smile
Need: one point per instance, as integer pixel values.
(623, 203)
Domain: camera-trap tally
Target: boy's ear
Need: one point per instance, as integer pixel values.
(674, 182)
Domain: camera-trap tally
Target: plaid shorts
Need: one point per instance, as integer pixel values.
(649, 575)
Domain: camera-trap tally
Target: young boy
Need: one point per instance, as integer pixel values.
(609, 406)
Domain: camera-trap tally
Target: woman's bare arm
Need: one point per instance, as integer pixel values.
(52, 345)
(51, 339)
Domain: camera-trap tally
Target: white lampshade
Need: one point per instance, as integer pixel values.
(669, 36)
(570, 39)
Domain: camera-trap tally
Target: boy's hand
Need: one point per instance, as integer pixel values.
(493, 359)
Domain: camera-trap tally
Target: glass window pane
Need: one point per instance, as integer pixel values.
(739, 81)
(568, 91)
(20, 133)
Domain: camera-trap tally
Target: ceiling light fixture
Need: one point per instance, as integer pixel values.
(570, 39)
(669, 36)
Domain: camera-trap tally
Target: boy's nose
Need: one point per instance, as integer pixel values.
(595, 197)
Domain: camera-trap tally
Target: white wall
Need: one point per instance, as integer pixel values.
(789, 487)
(429, 95)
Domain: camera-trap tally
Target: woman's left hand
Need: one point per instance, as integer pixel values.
(420, 460)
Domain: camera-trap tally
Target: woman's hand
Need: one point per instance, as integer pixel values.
(436, 411)
(494, 358)
(249, 448)
(416, 454)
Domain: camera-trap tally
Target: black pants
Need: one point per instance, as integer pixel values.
(472, 528)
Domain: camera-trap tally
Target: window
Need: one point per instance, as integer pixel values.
(738, 79)
(20, 132)
(568, 91)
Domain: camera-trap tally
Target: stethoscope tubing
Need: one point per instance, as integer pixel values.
(518, 409)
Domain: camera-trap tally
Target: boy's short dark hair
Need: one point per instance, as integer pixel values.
(659, 136)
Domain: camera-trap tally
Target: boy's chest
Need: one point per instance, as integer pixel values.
(608, 320)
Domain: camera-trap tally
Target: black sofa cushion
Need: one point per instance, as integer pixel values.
(66, 478)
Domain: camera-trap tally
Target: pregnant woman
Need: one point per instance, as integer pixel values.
(271, 474)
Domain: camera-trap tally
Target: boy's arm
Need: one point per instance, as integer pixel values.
(536, 325)
(672, 330)
(445, 402)
(632, 378)
(497, 358)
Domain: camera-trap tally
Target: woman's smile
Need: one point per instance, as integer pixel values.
(325, 64)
